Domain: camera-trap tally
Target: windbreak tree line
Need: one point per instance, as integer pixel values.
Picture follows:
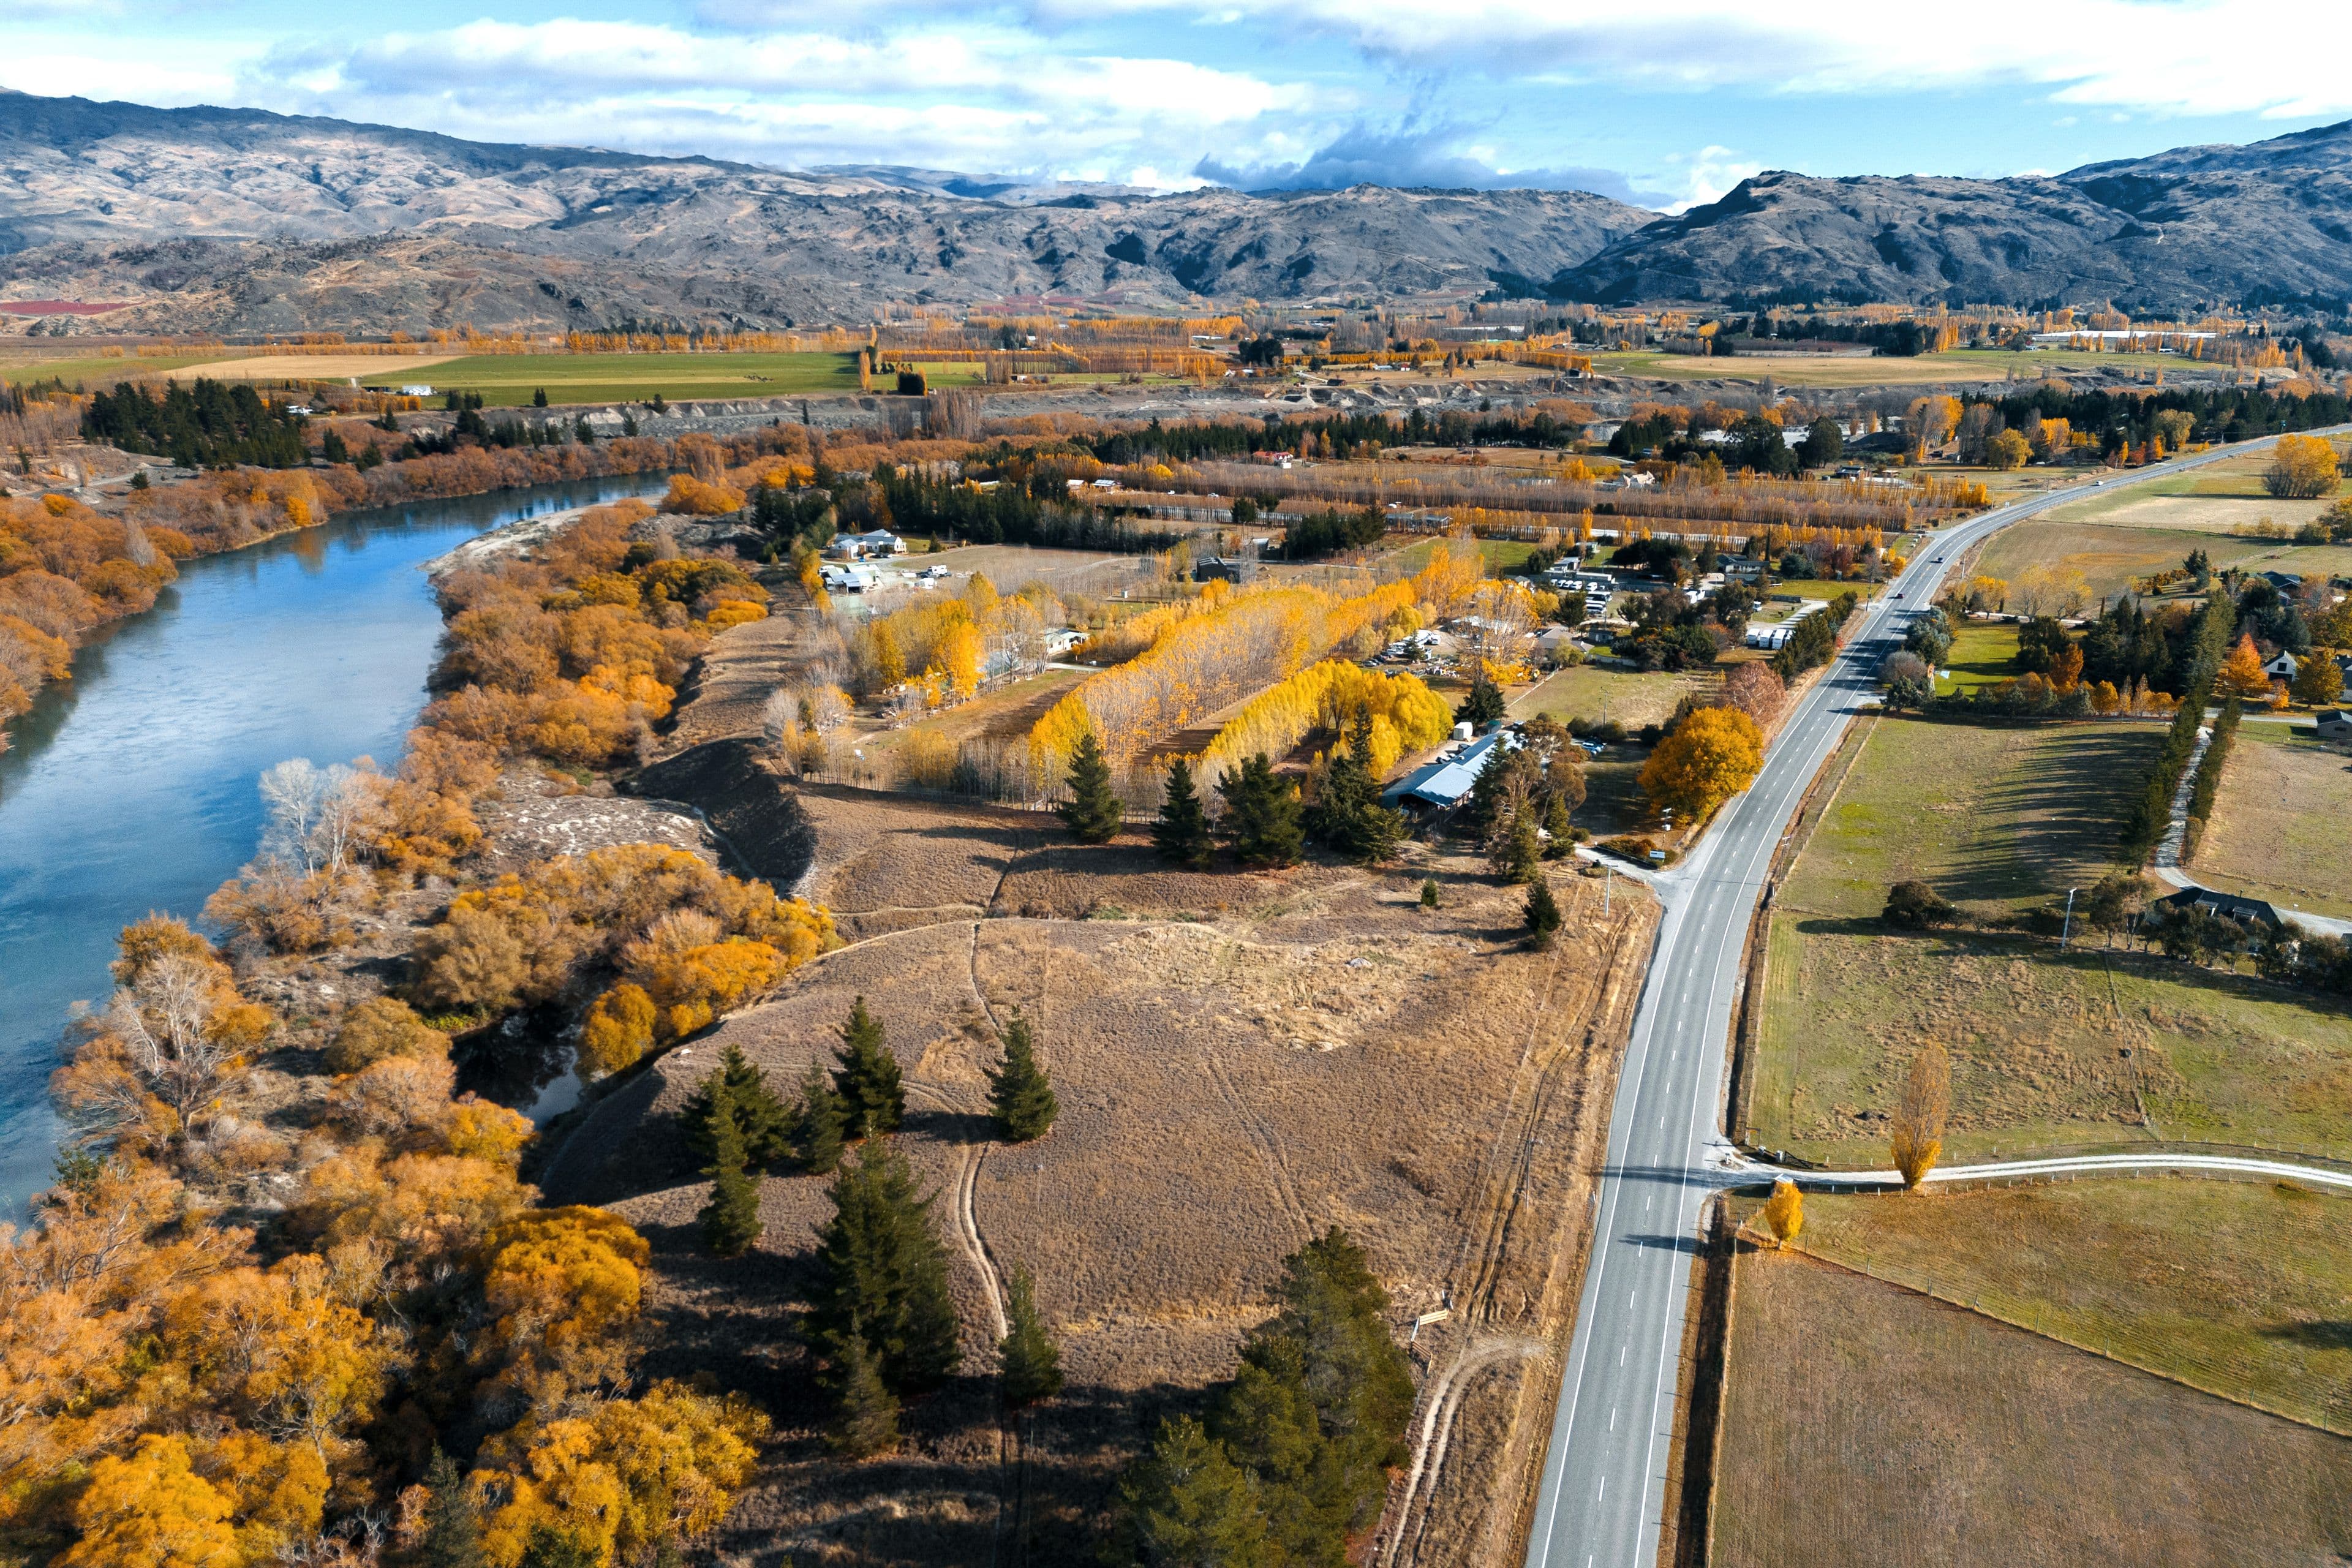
(1345, 436)
(1008, 515)
(207, 425)
(2122, 418)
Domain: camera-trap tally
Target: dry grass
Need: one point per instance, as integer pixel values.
(2235, 1287)
(313, 367)
(2280, 824)
(1239, 1058)
(1866, 1424)
(2048, 1049)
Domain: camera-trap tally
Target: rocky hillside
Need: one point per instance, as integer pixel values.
(240, 221)
(2272, 221)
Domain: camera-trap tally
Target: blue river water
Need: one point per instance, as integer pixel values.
(133, 786)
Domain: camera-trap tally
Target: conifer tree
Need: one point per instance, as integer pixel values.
(1429, 893)
(1515, 852)
(453, 1518)
(866, 1413)
(1181, 835)
(819, 1124)
(731, 1219)
(883, 1273)
(1483, 705)
(1092, 812)
(1020, 1096)
(1556, 826)
(1348, 813)
(873, 1098)
(1027, 1361)
(1188, 1502)
(760, 1116)
(1262, 814)
(1543, 914)
(551, 1547)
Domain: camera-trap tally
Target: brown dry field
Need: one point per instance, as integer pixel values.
(732, 680)
(1240, 1059)
(2278, 826)
(1865, 1424)
(310, 367)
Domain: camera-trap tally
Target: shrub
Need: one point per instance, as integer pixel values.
(1916, 906)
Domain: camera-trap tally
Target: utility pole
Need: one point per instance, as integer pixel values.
(2066, 931)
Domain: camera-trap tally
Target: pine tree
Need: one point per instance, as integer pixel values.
(1027, 1361)
(1348, 813)
(1020, 1095)
(1556, 826)
(453, 1518)
(1483, 705)
(1093, 813)
(1188, 1502)
(730, 1219)
(550, 1548)
(1262, 814)
(883, 1273)
(1429, 893)
(873, 1098)
(760, 1116)
(1543, 914)
(866, 1413)
(819, 1125)
(1181, 835)
(1515, 852)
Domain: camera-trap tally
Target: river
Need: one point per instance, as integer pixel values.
(133, 786)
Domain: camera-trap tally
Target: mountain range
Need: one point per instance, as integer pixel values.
(244, 221)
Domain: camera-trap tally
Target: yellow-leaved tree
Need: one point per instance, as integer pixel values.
(151, 1508)
(2242, 673)
(1712, 755)
(1784, 1212)
(2303, 467)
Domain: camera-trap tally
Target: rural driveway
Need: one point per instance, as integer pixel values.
(1603, 1499)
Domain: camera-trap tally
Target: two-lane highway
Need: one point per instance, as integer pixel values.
(1602, 1498)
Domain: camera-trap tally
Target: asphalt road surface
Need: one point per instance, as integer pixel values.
(1603, 1500)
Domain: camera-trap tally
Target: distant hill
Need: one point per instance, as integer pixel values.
(2251, 225)
(242, 221)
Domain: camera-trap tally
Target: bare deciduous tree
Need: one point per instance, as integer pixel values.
(1918, 1133)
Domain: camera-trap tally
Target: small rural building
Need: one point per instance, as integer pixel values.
(1740, 569)
(2228, 906)
(1224, 569)
(858, 546)
(2336, 724)
(1442, 783)
(2283, 665)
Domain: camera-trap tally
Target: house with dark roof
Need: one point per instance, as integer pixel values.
(2227, 906)
(2335, 724)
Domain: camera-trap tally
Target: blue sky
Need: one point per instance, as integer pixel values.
(1664, 103)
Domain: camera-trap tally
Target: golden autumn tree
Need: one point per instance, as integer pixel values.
(2241, 674)
(1712, 755)
(2302, 467)
(150, 1509)
(1784, 1212)
(1917, 1138)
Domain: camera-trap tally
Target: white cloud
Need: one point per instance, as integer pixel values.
(2174, 57)
(1708, 175)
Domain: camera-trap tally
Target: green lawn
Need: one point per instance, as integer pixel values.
(1500, 555)
(1982, 655)
(508, 381)
(2235, 1287)
(2049, 1049)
